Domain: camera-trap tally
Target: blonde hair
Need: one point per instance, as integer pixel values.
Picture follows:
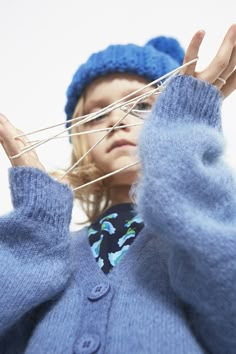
(94, 199)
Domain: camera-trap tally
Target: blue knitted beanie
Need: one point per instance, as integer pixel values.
(151, 61)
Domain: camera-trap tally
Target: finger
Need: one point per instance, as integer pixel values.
(230, 86)
(8, 133)
(192, 52)
(3, 121)
(221, 61)
(227, 72)
(13, 146)
(7, 130)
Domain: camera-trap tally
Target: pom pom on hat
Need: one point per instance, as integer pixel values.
(159, 56)
(169, 46)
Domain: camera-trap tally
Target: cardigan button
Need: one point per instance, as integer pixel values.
(87, 344)
(99, 291)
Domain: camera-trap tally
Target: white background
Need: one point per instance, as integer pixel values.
(43, 42)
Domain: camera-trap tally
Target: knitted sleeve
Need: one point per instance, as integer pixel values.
(34, 243)
(187, 195)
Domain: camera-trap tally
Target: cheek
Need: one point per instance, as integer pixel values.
(90, 140)
(97, 154)
(93, 138)
(135, 133)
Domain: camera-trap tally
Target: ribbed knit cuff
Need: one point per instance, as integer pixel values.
(40, 197)
(189, 99)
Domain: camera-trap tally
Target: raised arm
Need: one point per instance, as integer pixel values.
(188, 195)
(34, 241)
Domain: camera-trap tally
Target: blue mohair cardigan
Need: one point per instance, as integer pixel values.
(173, 292)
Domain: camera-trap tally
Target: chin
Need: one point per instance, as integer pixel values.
(126, 177)
(123, 161)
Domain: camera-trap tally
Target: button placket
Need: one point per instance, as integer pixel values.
(89, 343)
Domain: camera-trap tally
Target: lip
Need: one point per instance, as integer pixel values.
(119, 143)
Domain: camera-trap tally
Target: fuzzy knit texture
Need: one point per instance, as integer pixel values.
(173, 292)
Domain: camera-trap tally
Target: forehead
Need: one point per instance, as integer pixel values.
(112, 87)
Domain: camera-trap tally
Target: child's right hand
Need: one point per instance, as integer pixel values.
(13, 146)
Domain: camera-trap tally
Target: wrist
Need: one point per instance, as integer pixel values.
(40, 197)
(188, 99)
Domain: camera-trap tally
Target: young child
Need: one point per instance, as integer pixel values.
(157, 276)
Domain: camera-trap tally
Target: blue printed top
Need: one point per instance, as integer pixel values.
(111, 235)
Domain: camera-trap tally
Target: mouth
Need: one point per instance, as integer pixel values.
(120, 143)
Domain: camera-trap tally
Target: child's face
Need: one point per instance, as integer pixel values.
(119, 148)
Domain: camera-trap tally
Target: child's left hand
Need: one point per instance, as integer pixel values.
(221, 71)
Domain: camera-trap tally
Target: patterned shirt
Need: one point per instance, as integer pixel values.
(111, 235)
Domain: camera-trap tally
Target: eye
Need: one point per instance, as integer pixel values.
(97, 120)
(142, 109)
(143, 106)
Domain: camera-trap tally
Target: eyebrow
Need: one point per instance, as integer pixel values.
(145, 89)
(101, 103)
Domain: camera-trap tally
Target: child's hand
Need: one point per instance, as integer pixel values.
(13, 146)
(221, 71)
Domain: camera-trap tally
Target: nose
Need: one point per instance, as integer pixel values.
(117, 115)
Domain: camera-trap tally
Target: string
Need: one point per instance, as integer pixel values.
(77, 121)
